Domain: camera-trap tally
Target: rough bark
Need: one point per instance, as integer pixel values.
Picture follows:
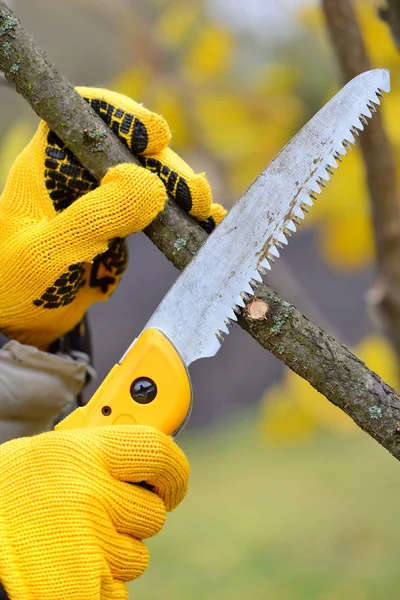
(380, 169)
(329, 366)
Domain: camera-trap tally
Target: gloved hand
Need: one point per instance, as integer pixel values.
(70, 523)
(62, 235)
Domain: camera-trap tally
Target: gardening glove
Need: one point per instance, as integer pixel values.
(62, 235)
(71, 522)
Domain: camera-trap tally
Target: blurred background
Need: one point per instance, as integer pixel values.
(289, 500)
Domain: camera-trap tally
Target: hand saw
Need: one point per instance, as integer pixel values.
(150, 385)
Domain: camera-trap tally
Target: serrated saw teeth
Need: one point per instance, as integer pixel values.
(337, 157)
(254, 283)
(231, 316)
(379, 93)
(291, 226)
(366, 112)
(246, 296)
(239, 304)
(248, 290)
(332, 162)
(281, 238)
(264, 264)
(263, 271)
(314, 190)
(256, 279)
(316, 185)
(273, 250)
(298, 212)
(329, 170)
(224, 328)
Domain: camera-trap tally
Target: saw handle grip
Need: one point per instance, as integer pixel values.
(149, 386)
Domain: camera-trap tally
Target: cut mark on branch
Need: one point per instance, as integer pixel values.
(257, 310)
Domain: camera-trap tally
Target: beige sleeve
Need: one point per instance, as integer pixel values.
(36, 387)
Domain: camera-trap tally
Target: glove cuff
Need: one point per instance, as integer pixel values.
(10, 574)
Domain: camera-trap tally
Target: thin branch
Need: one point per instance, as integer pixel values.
(380, 167)
(327, 365)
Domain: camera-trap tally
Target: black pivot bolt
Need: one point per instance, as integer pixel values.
(143, 390)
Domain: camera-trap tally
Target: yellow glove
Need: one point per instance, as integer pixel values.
(70, 524)
(62, 235)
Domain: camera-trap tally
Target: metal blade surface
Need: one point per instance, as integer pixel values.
(197, 310)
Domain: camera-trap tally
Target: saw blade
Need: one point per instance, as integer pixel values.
(198, 309)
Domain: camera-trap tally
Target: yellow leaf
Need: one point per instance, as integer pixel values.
(175, 25)
(277, 80)
(284, 421)
(347, 243)
(166, 100)
(209, 55)
(13, 142)
(132, 82)
(225, 125)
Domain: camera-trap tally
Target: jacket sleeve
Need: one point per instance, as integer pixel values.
(38, 388)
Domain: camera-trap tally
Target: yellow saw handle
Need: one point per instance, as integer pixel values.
(150, 386)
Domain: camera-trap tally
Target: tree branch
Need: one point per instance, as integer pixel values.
(327, 365)
(380, 168)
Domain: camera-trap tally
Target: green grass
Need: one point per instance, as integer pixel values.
(320, 520)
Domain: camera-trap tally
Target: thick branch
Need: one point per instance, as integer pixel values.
(380, 167)
(328, 366)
